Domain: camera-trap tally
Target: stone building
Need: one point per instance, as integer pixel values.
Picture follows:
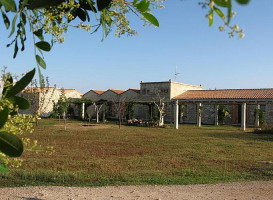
(202, 106)
(148, 93)
(43, 100)
(199, 106)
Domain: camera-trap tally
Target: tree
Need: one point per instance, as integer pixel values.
(98, 107)
(63, 105)
(161, 109)
(218, 7)
(120, 108)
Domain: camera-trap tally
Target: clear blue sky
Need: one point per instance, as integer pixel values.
(202, 53)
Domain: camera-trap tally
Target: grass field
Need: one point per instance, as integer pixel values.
(105, 155)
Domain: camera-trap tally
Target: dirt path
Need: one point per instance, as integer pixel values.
(257, 190)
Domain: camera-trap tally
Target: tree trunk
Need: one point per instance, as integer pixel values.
(64, 117)
(97, 117)
(103, 115)
(119, 119)
(161, 119)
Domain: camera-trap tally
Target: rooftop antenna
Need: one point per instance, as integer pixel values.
(176, 73)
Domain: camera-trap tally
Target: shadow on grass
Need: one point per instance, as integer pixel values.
(242, 136)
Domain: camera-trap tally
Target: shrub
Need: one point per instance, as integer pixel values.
(223, 113)
(261, 116)
(265, 129)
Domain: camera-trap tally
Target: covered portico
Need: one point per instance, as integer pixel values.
(240, 97)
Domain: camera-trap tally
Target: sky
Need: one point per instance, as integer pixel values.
(203, 55)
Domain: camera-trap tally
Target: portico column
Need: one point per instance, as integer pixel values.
(83, 105)
(243, 122)
(199, 115)
(257, 119)
(176, 111)
(216, 114)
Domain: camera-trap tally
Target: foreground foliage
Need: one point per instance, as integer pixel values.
(10, 103)
(106, 155)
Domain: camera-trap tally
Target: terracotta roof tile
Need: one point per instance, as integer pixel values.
(69, 90)
(99, 91)
(227, 94)
(117, 91)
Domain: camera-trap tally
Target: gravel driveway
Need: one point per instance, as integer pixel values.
(256, 190)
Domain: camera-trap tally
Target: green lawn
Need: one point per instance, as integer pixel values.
(105, 155)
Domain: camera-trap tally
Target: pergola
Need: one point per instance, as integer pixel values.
(228, 96)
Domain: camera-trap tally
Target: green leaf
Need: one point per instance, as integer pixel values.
(151, 18)
(10, 144)
(39, 34)
(210, 17)
(13, 25)
(6, 19)
(3, 167)
(23, 18)
(41, 77)
(229, 15)
(4, 116)
(9, 5)
(21, 102)
(221, 3)
(45, 46)
(40, 61)
(37, 4)
(81, 14)
(15, 49)
(219, 12)
(143, 6)
(91, 4)
(7, 85)
(243, 1)
(105, 31)
(22, 41)
(21, 84)
(88, 5)
(101, 4)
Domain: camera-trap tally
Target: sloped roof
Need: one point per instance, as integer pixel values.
(116, 91)
(69, 90)
(37, 89)
(134, 90)
(98, 91)
(226, 94)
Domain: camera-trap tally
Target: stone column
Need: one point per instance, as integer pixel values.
(199, 115)
(243, 121)
(176, 117)
(216, 114)
(257, 119)
(83, 111)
